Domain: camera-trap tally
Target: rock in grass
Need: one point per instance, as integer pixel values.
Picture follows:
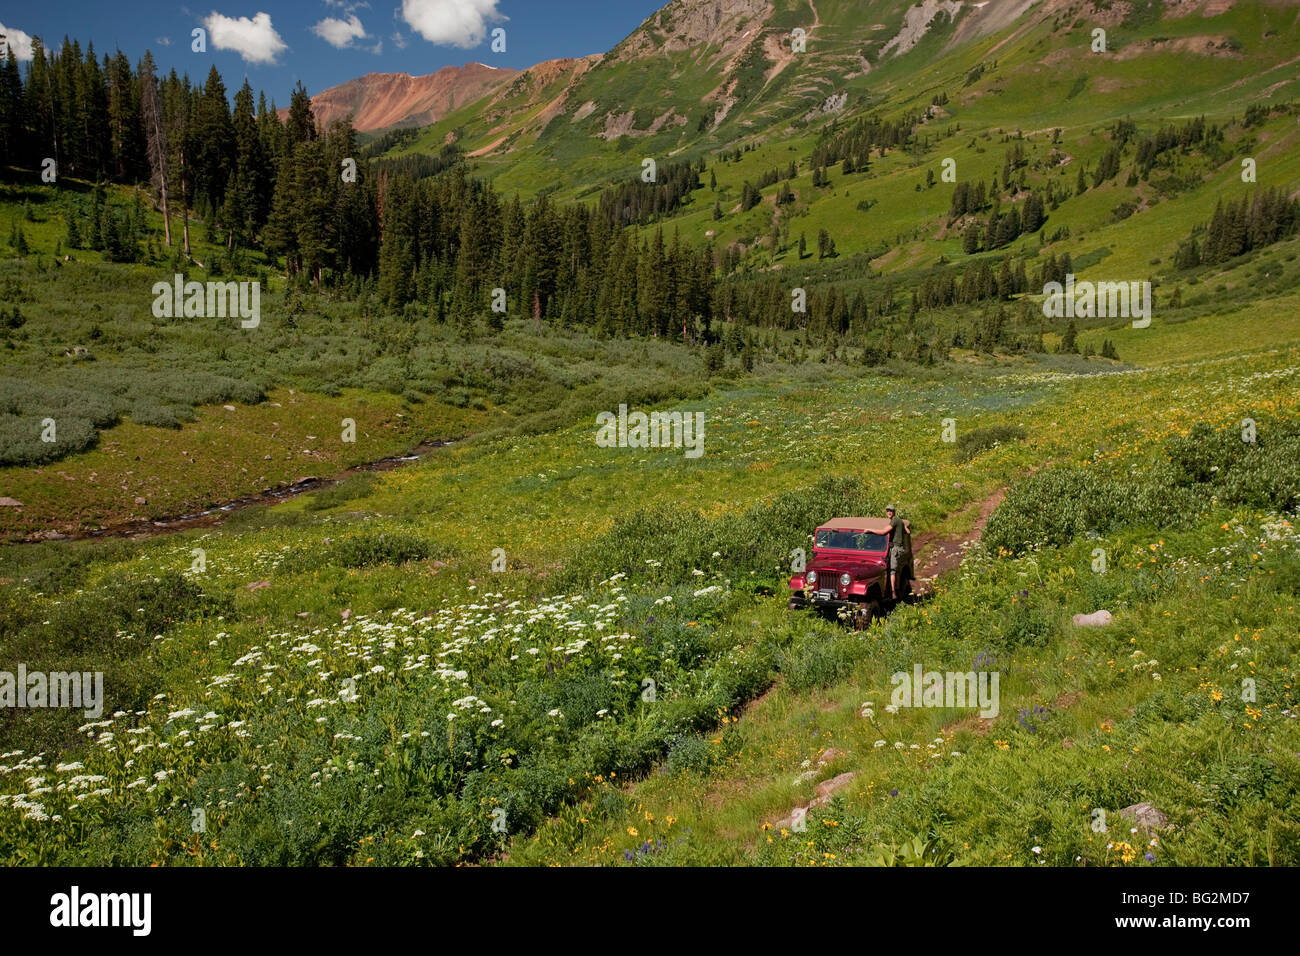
(7, 502)
(828, 788)
(1095, 619)
(830, 755)
(825, 790)
(1146, 816)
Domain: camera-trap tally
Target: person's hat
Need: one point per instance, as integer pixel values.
(890, 508)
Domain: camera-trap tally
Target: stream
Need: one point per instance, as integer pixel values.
(210, 517)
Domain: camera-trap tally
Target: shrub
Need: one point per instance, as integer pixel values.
(142, 607)
(971, 443)
(691, 754)
(1220, 464)
(1053, 507)
(349, 489)
(1060, 504)
(383, 547)
(817, 660)
(1026, 626)
(146, 412)
(21, 444)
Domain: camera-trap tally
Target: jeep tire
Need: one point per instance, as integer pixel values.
(866, 613)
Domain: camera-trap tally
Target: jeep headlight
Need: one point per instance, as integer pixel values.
(845, 580)
(812, 577)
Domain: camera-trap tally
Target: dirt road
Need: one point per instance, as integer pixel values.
(937, 554)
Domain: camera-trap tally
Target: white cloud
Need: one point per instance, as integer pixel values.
(255, 40)
(163, 41)
(340, 33)
(461, 23)
(20, 41)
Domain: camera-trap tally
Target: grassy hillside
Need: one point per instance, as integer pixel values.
(983, 87)
(1033, 74)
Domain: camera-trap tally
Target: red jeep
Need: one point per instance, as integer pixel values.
(849, 570)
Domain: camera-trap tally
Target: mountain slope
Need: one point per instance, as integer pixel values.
(700, 76)
(383, 100)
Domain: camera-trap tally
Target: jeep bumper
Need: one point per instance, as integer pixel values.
(821, 599)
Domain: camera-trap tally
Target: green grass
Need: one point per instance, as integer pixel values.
(1114, 729)
(421, 541)
(1148, 709)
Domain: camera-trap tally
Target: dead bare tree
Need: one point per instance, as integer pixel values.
(156, 136)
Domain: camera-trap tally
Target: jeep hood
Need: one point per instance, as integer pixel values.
(843, 560)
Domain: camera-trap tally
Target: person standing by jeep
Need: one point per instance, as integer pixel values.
(897, 532)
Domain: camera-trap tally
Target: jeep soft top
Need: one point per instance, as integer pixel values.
(871, 525)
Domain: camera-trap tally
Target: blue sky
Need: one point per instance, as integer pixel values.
(275, 43)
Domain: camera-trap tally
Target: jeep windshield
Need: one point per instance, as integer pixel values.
(850, 540)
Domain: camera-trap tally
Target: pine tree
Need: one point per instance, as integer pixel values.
(313, 219)
(95, 236)
(39, 106)
(1068, 343)
(1007, 228)
(281, 233)
(92, 116)
(241, 213)
(11, 110)
(1187, 255)
(214, 142)
(1107, 166)
(73, 235)
(301, 124)
(126, 120)
(825, 245)
(1033, 217)
(1006, 281)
